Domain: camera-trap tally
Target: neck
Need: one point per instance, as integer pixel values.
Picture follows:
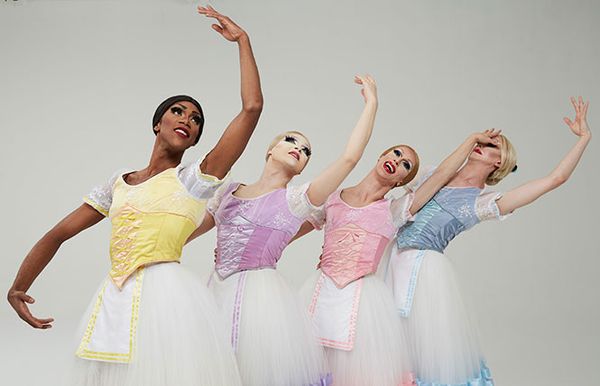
(370, 189)
(273, 177)
(472, 174)
(162, 158)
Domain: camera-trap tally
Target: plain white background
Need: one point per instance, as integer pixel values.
(80, 80)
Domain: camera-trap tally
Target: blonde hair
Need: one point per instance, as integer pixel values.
(415, 168)
(508, 161)
(281, 136)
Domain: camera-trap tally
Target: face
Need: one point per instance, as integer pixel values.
(180, 125)
(394, 166)
(293, 151)
(488, 154)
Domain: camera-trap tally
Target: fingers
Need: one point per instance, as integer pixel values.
(365, 80)
(568, 121)
(34, 322)
(492, 132)
(19, 301)
(217, 28)
(574, 103)
(585, 108)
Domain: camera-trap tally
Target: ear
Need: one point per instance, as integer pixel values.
(498, 163)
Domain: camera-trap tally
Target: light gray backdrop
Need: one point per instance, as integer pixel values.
(79, 82)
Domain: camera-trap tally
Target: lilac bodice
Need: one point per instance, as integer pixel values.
(355, 238)
(252, 233)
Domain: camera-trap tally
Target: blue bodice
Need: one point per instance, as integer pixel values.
(449, 212)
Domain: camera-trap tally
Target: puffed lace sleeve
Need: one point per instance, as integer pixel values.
(200, 185)
(100, 197)
(215, 201)
(301, 207)
(400, 208)
(486, 207)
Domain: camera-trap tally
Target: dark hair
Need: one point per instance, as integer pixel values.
(164, 106)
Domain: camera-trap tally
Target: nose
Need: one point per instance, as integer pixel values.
(185, 119)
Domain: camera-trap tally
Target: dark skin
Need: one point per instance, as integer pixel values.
(176, 132)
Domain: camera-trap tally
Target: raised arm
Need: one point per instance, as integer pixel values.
(40, 255)
(329, 180)
(448, 168)
(532, 190)
(236, 136)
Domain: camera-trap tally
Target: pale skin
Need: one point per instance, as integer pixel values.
(380, 180)
(476, 170)
(287, 159)
(176, 132)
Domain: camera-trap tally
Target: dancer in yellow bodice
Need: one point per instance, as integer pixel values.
(152, 322)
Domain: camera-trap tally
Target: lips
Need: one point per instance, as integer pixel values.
(389, 167)
(295, 154)
(477, 150)
(182, 132)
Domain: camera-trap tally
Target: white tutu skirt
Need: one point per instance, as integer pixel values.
(270, 331)
(380, 354)
(443, 340)
(180, 338)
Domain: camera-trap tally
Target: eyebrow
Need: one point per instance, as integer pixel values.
(185, 108)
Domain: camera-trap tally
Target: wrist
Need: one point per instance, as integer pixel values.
(372, 102)
(243, 39)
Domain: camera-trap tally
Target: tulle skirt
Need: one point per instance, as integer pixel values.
(180, 338)
(270, 331)
(380, 354)
(443, 339)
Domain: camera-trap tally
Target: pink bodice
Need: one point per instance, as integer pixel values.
(355, 239)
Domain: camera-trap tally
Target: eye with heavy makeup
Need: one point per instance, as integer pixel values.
(405, 164)
(303, 149)
(196, 119)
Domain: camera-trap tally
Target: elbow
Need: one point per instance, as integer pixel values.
(55, 237)
(254, 107)
(557, 180)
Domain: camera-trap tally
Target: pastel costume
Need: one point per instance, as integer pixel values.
(444, 341)
(269, 328)
(153, 322)
(352, 308)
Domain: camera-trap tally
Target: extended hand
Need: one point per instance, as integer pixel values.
(18, 300)
(579, 127)
(369, 90)
(226, 27)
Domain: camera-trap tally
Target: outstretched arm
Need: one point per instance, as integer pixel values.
(40, 255)
(236, 136)
(449, 167)
(207, 224)
(529, 192)
(329, 180)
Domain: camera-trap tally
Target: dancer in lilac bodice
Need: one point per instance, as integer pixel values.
(270, 330)
(260, 308)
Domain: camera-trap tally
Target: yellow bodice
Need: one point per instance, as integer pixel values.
(150, 223)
